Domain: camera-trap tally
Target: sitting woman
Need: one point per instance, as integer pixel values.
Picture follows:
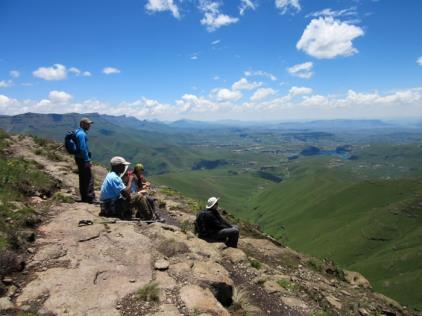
(142, 203)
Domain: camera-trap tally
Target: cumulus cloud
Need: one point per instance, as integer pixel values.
(14, 74)
(284, 5)
(419, 61)
(213, 19)
(294, 91)
(193, 103)
(59, 96)
(327, 38)
(6, 83)
(262, 93)
(227, 95)
(302, 70)
(110, 71)
(55, 72)
(77, 72)
(244, 84)
(260, 73)
(161, 6)
(246, 5)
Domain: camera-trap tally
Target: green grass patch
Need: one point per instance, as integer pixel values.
(291, 287)
(149, 293)
(255, 263)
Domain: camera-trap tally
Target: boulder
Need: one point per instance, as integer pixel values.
(161, 264)
(334, 302)
(6, 304)
(214, 276)
(294, 302)
(197, 299)
(235, 255)
(164, 280)
(355, 278)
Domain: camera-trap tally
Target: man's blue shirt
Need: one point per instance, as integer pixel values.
(111, 187)
(82, 142)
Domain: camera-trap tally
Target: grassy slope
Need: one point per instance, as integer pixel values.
(18, 179)
(236, 191)
(373, 227)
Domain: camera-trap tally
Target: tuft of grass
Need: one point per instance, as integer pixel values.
(316, 264)
(186, 226)
(242, 303)
(291, 287)
(61, 198)
(149, 293)
(320, 313)
(255, 263)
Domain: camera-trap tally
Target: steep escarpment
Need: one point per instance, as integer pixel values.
(114, 267)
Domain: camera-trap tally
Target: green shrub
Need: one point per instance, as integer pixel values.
(255, 263)
(150, 292)
(291, 287)
(186, 226)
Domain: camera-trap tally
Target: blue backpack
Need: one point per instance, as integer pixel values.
(70, 142)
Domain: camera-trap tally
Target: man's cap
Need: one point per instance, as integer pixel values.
(211, 202)
(86, 120)
(115, 161)
(139, 167)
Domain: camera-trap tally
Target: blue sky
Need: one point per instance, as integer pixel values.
(208, 59)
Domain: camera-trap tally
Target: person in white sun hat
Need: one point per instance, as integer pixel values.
(115, 195)
(211, 226)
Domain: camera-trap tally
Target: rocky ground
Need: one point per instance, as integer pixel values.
(115, 267)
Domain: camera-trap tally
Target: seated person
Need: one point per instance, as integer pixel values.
(142, 204)
(211, 226)
(115, 195)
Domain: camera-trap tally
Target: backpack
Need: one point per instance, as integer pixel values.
(70, 142)
(200, 225)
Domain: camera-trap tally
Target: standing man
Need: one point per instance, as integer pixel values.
(83, 160)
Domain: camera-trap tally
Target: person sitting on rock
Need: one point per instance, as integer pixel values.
(115, 195)
(211, 226)
(142, 204)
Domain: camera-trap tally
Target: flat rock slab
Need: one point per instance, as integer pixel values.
(104, 268)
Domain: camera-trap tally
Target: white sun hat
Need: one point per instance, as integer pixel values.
(211, 202)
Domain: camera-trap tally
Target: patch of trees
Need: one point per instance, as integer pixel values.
(209, 164)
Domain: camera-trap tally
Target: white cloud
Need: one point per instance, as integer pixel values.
(260, 73)
(246, 5)
(215, 42)
(55, 72)
(294, 91)
(262, 93)
(244, 84)
(302, 70)
(283, 5)
(327, 38)
(110, 70)
(419, 61)
(14, 74)
(193, 103)
(163, 5)
(6, 83)
(334, 13)
(59, 96)
(86, 74)
(194, 56)
(227, 95)
(213, 19)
